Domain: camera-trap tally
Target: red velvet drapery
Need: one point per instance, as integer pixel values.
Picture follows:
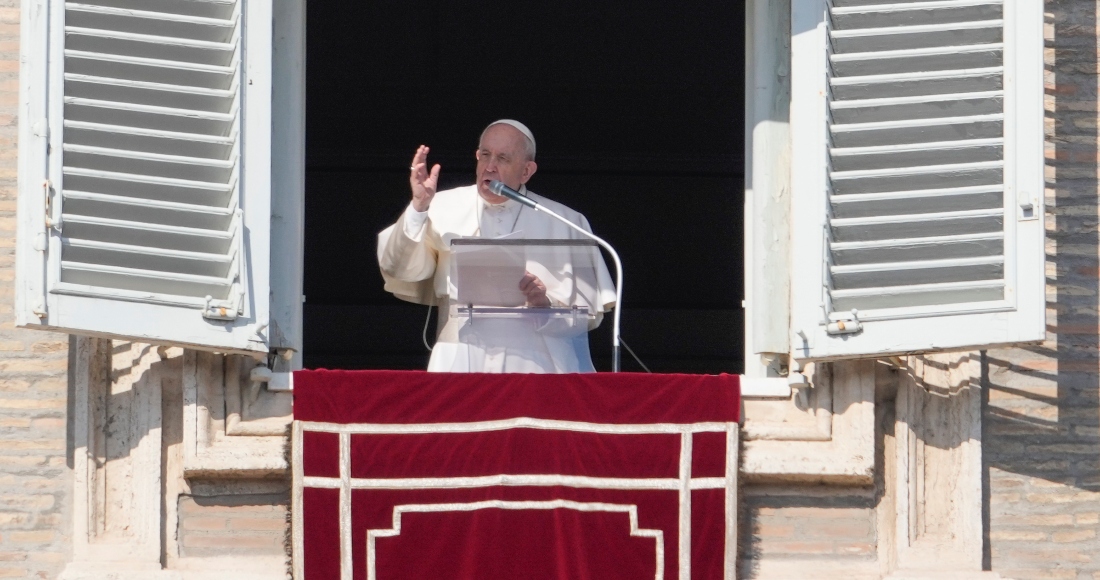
(602, 476)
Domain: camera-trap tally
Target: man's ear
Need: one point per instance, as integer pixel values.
(529, 169)
(477, 154)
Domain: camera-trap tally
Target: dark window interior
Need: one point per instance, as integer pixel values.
(638, 114)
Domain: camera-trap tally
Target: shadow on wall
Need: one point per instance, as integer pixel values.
(1041, 420)
(1042, 407)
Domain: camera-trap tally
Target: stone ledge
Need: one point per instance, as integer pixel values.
(213, 568)
(942, 575)
(116, 571)
(237, 465)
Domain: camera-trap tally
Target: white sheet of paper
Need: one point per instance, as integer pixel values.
(490, 275)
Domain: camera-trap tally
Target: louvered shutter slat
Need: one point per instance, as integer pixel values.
(122, 66)
(146, 182)
(887, 297)
(150, 154)
(146, 258)
(117, 137)
(911, 141)
(917, 175)
(101, 275)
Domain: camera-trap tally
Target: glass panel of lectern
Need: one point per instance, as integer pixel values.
(486, 275)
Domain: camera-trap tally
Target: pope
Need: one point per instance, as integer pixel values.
(415, 258)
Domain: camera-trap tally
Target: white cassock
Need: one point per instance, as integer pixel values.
(415, 261)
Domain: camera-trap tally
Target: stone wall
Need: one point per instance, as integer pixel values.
(1042, 408)
(35, 482)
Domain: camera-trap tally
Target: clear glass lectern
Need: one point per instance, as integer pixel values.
(498, 329)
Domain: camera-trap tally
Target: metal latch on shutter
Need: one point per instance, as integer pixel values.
(1028, 205)
(845, 323)
(227, 310)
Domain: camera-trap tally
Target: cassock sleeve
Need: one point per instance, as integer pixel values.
(407, 262)
(605, 285)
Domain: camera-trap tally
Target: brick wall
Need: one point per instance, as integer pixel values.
(226, 525)
(35, 483)
(809, 523)
(1041, 441)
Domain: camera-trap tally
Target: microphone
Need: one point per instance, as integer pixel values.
(497, 187)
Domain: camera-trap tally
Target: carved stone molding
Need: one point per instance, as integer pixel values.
(936, 470)
(130, 442)
(828, 437)
(231, 426)
(117, 460)
(807, 416)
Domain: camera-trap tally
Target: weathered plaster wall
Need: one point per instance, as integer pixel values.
(35, 483)
(1042, 415)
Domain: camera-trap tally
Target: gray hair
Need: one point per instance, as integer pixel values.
(529, 138)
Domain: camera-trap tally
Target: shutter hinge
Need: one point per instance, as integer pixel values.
(227, 310)
(846, 324)
(41, 128)
(51, 222)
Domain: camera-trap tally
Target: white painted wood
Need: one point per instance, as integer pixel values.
(161, 16)
(31, 230)
(256, 127)
(288, 138)
(920, 29)
(912, 223)
(808, 153)
(161, 173)
(839, 130)
(953, 97)
(767, 195)
(912, 6)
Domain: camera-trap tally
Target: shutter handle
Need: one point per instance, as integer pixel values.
(847, 324)
(1027, 203)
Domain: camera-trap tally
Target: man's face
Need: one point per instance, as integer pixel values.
(502, 156)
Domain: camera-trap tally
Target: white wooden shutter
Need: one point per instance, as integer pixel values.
(917, 180)
(145, 170)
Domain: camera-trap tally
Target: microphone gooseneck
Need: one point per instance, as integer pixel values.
(498, 188)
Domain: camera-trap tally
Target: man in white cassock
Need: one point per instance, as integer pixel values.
(415, 257)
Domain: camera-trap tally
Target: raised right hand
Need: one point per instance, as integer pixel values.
(422, 183)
